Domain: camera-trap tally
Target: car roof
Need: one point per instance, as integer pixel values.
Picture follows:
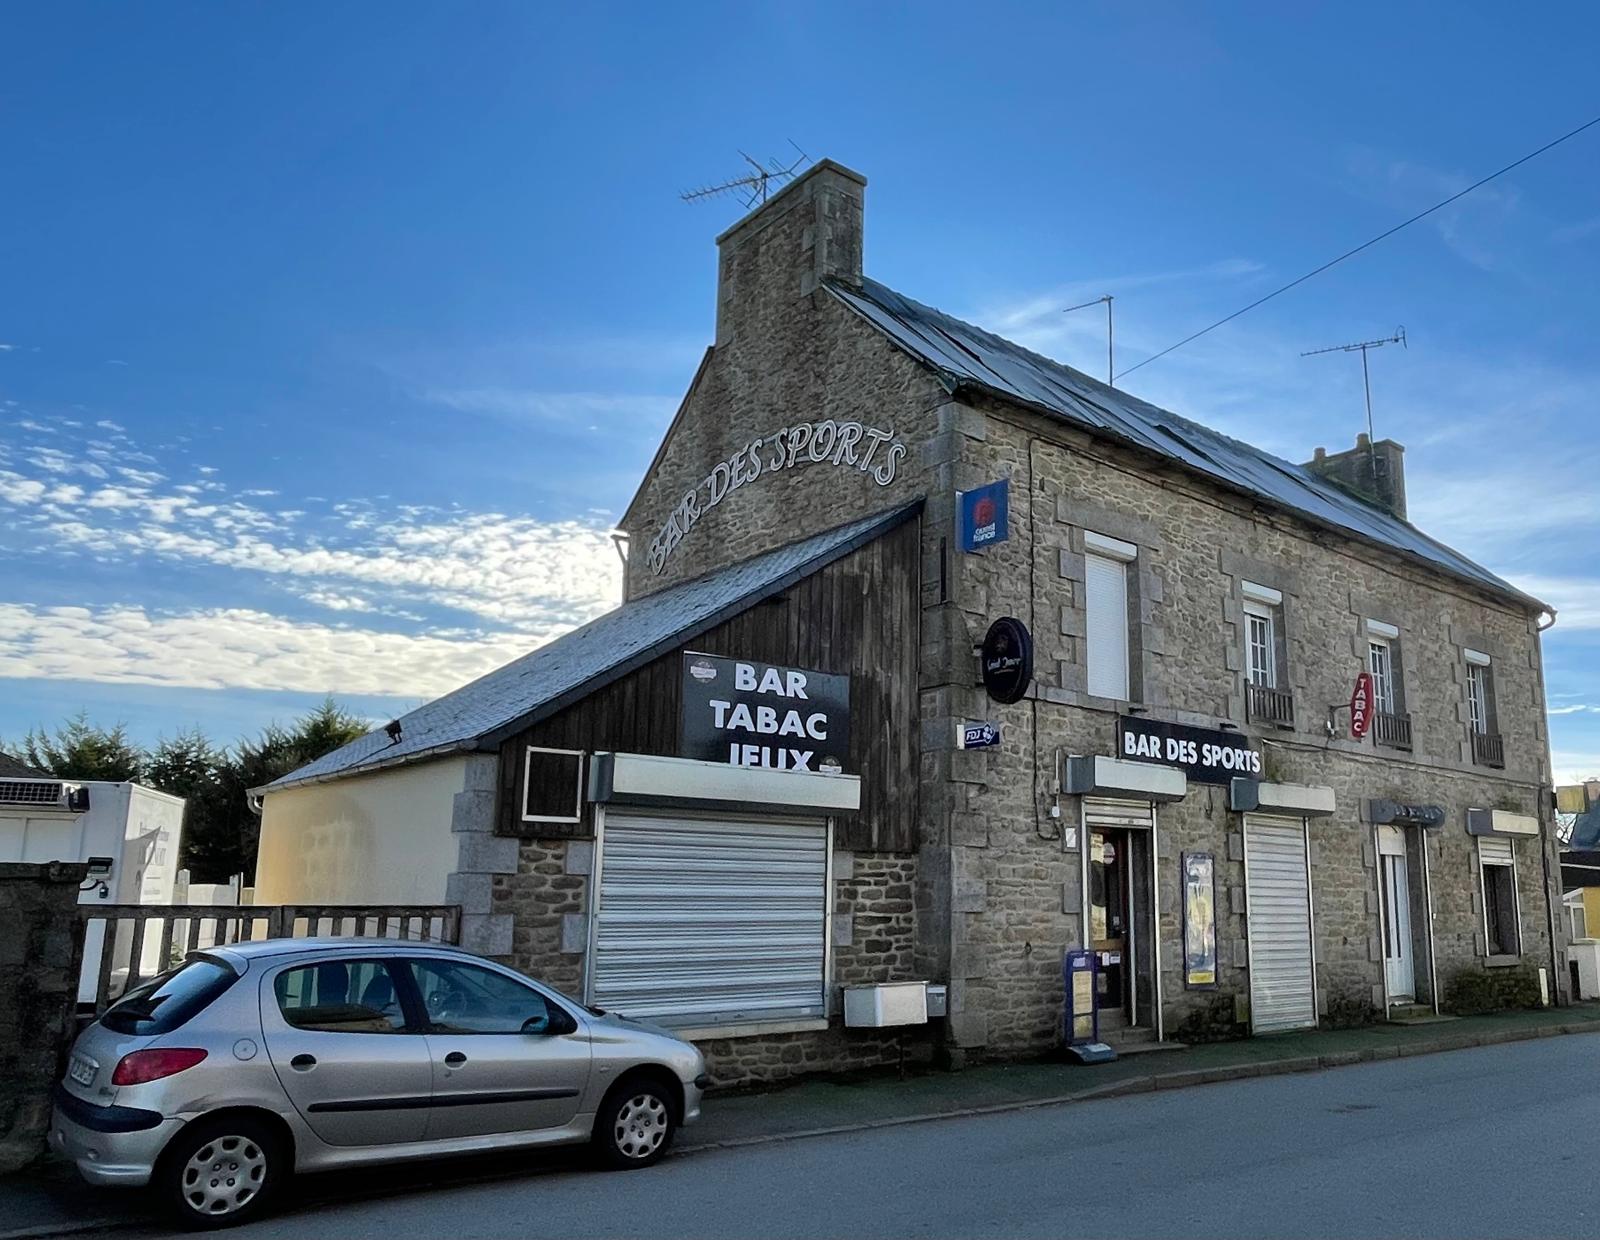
(272, 949)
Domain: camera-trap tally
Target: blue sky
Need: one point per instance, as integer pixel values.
(334, 338)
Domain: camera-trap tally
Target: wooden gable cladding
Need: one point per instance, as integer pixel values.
(857, 616)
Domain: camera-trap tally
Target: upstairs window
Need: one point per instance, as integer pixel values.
(1488, 749)
(1106, 618)
(1381, 663)
(1261, 637)
(1265, 656)
(1391, 723)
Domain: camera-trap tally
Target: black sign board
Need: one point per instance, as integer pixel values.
(1205, 756)
(1007, 658)
(757, 714)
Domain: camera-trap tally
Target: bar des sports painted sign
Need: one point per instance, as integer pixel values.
(747, 713)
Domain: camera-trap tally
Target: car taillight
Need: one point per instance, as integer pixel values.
(144, 1066)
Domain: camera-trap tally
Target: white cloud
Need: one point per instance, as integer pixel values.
(240, 649)
(1576, 599)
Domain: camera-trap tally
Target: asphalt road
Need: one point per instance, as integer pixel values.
(1488, 1142)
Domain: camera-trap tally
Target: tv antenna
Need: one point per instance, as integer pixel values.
(753, 187)
(1363, 346)
(1111, 357)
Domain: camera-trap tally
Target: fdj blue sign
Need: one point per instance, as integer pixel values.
(979, 735)
(984, 515)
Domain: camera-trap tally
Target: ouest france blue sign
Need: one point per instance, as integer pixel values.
(984, 515)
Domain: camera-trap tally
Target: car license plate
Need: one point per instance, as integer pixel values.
(82, 1070)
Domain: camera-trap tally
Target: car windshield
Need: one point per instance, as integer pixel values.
(166, 1002)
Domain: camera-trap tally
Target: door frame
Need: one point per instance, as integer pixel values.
(1384, 928)
(1311, 913)
(1156, 995)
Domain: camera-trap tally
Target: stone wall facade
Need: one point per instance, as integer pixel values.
(1010, 904)
(997, 881)
(41, 951)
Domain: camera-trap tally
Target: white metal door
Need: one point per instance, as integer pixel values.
(1278, 898)
(709, 919)
(1398, 961)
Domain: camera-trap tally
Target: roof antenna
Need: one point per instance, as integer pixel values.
(1398, 338)
(1111, 356)
(752, 188)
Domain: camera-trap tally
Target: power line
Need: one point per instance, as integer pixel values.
(1421, 215)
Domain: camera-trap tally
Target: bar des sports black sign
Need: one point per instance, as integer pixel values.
(1205, 756)
(759, 714)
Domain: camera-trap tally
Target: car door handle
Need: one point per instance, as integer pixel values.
(454, 1059)
(303, 1063)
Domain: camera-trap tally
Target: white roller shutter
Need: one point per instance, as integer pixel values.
(1282, 985)
(1106, 625)
(710, 920)
(1495, 850)
(1105, 812)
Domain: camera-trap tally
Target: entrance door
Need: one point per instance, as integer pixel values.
(1110, 900)
(1283, 992)
(1399, 970)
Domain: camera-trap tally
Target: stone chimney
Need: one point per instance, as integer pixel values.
(807, 232)
(1376, 472)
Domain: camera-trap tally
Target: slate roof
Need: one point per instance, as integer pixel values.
(16, 768)
(967, 356)
(481, 714)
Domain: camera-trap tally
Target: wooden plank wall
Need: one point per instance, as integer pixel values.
(857, 616)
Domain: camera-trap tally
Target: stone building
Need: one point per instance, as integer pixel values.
(1281, 758)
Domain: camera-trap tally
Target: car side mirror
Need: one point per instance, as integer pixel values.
(556, 1022)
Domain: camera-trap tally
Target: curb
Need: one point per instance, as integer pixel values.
(1165, 1081)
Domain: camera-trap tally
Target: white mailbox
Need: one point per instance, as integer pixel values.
(892, 1003)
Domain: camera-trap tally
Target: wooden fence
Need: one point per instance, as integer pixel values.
(126, 943)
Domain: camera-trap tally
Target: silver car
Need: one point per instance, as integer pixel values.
(214, 1082)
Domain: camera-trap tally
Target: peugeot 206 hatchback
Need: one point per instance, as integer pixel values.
(216, 1081)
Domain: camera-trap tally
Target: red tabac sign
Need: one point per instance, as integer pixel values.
(1361, 706)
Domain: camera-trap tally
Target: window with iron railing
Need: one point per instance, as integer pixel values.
(1391, 724)
(1267, 697)
(1488, 748)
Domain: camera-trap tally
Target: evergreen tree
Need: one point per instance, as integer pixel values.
(81, 750)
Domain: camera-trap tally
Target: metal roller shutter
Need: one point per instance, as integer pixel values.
(1106, 625)
(1104, 812)
(1282, 985)
(709, 920)
(1495, 850)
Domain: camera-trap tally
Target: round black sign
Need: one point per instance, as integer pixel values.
(1007, 660)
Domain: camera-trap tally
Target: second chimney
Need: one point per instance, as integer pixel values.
(1375, 472)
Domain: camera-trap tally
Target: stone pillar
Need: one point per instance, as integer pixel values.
(480, 855)
(41, 951)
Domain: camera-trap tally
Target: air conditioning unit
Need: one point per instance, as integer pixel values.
(44, 794)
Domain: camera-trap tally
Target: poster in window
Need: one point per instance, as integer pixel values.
(1199, 921)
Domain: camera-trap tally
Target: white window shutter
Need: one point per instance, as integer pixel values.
(1106, 626)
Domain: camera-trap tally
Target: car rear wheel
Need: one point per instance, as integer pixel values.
(221, 1172)
(636, 1123)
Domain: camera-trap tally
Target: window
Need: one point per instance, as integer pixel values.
(1106, 621)
(164, 1003)
(1498, 871)
(1381, 663)
(552, 785)
(1577, 919)
(340, 996)
(466, 998)
(1265, 666)
(1480, 702)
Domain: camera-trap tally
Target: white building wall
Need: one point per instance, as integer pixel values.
(383, 838)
